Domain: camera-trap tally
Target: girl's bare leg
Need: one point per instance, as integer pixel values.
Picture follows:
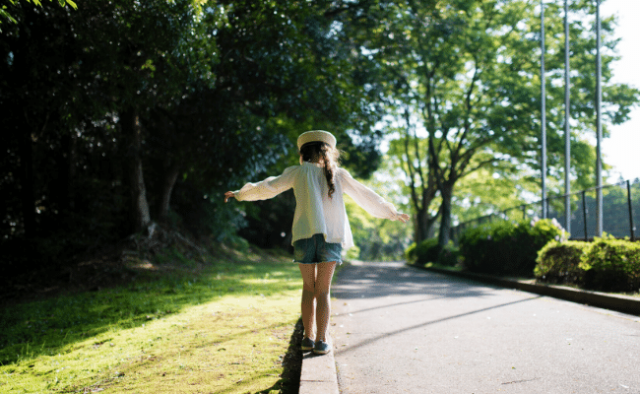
(308, 272)
(322, 293)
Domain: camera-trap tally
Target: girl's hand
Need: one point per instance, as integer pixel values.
(228, 195)
(403, 217)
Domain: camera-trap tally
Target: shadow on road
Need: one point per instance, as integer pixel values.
(416, 326)
(378, 280)
(385, 279)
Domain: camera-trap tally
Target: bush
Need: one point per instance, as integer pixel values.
(450, 255)
(410, 253)
(505, 247)
(612, 265)
(560, 262)
(428, 251)
(425, 252)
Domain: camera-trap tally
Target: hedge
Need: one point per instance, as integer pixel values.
(425, 252)
(428, 251)
(559, 262)
(507, 248)
(607, 264)
(612, 265)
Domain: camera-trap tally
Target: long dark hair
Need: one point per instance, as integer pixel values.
(317, 150)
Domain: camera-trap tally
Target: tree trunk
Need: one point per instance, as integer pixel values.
(424, 225)
(66, 172)
(139, 206)
(170, 176)
(26, 178)
(445, 219)
(19, 82)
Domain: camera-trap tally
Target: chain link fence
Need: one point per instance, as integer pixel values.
(620, 212)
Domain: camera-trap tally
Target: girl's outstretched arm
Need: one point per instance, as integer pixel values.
(373, 203)
(403, 217)
(265, 189)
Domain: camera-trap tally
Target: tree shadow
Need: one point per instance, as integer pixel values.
(387, 279)
(416, 326)
(379, 280)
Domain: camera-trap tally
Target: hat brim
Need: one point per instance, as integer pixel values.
(316, 136)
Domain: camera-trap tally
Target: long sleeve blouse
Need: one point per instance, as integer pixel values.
(315, 212)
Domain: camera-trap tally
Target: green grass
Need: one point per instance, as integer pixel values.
(220, 327)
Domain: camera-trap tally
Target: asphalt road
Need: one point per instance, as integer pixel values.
(397, 329)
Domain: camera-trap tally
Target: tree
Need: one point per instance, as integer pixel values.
(408, 153)
(469, 71)
(145, 107)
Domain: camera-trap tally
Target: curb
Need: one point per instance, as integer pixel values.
(619, 303)
(318, 374)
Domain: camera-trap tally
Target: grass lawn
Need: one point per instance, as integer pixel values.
(181, 326)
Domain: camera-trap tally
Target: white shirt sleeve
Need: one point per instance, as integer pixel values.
(267, 188)
(367, 198)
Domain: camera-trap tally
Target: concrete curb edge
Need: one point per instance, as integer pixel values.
(617, 303)
(318, 374)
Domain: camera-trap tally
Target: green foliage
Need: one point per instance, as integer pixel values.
(612, 265)
(506, 248)
(221, 91)
(377, 239)
(606, 264)
(4, 14)
(410, 254)
(480, 109)
(560, 262)
(428, 251)
(353, 253)
(450, 256)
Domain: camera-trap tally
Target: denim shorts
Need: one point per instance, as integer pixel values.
(316, 250)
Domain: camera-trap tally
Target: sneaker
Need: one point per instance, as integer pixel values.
(307, 343)
(321, 348)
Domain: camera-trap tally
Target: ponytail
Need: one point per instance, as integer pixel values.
(314, 151)
(328, 168)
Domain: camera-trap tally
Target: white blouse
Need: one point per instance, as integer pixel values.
(315, 212)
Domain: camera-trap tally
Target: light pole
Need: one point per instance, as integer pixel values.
(567, 135)
(598, 126)
(543, 104)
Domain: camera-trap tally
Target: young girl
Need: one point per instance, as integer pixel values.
(320, 225)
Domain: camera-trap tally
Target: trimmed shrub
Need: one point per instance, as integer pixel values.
(506, 248)
(410, 253)
(425, 252)
(428, 251)
(612, 265)
(450, 255)
(560, 262)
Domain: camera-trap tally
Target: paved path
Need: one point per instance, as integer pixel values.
(397, 329)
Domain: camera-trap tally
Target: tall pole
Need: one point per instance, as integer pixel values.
(543, 163)
(567, 140)
(598, 126)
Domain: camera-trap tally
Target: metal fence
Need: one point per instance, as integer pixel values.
(621, 212)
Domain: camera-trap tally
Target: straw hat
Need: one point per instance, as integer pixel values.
(316, 135)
